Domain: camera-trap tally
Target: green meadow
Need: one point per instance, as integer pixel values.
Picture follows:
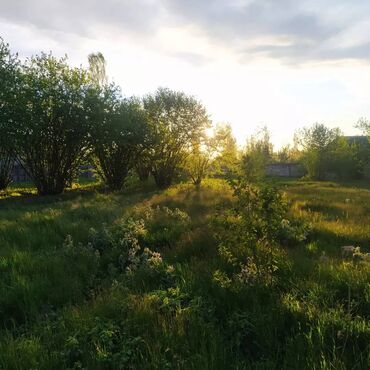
(70, 300)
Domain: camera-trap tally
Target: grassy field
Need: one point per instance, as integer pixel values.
(67, 301)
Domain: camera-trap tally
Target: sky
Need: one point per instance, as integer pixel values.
(284, 64)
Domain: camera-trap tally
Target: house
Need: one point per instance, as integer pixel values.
(19, 174)
(285, 170)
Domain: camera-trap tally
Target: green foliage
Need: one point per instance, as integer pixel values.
(318, 143)
(211, 277)
(50, 129)
(328, 154)
(345, 160)
(102, 300)
(97, 69)
(165, 226)
(6, 166)
(288, 154)
(224, 149)
(119, 134)
(252, 230)
(176, 121)
(216, 155)
(364, 125)
(257, 155)
(143, 165)
(197, 166)
(9, 76)
(199, 160)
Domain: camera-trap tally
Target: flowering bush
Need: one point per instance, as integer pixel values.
(251, 232)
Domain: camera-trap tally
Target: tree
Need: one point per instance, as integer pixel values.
(6, 166)
(9, 80)
(317, 143)
(344, 161)
(199, 160)
(217, 154)
(225, 147)
(119, 135)
(97, 69)
(364, 150)
(51, 127)
(143, 165)
(176, 120)
(258, 153)
(364, 125)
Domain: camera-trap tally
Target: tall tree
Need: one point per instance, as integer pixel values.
(318, 143)
(51, 126)
(176, 120)
(258, 153)
(200, 159)
(119, 134)
(9, 82)
(225, 147)
(97, 68)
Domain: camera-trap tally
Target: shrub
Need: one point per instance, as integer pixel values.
(119, 134)
(9, 82)
(176, 120)
(51, 130)
(251, 232)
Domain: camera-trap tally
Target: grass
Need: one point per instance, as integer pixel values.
(62, 308)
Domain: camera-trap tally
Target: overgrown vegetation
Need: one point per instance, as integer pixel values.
(239, 271)
(193, 277)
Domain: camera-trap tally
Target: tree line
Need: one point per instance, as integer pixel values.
(324, 153)
(55, 117)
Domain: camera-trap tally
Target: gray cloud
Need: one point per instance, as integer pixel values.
(309, 27)
(84, 17)
(300, 53)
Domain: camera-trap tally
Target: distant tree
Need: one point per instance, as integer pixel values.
(364, 125)
(199, 160)
(176, 120)
(344, 161)
(225, 148)
(119, 134)
(288, 153)
(9, 86)
(97, 69)
(318, 143)
(258, 153)
(364, 150)
(51, 127)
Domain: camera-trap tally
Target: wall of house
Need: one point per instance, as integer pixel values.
(285, 170)
(20, 175)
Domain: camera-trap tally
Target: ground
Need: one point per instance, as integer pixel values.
(60, 308)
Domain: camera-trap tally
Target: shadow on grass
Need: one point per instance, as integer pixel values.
(363, 184)
(329, 212)
(31, 222)
(197, 201)
(331, 242)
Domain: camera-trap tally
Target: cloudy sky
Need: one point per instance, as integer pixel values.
(280, 63)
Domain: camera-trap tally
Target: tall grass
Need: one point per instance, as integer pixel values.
(63, 307)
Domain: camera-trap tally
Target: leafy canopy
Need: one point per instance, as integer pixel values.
(176, 120)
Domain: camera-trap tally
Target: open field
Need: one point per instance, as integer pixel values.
(64, 304)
